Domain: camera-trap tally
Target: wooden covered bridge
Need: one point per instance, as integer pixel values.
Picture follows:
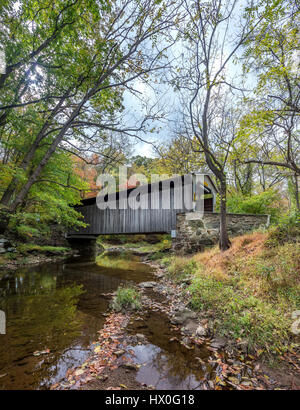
(154, 219)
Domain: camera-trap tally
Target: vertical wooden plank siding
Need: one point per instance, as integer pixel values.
(118, 221)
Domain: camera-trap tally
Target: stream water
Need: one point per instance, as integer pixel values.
(61, 307)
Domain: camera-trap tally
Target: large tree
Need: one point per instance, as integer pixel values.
(271, 129)
(68, 64)
(208, 81)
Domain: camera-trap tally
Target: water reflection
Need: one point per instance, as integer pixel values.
(58, 307)
(167, 364)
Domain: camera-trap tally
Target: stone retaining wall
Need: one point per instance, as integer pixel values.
(194, 230)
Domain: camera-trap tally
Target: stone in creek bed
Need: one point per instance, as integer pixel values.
(129, 366)
(141, 337)
(5, 243)
(186, 341)
(182, 316)
(218, 342)
(191, 327)
(147, 284)
(201, 331)
(102, 377)
(119, 352)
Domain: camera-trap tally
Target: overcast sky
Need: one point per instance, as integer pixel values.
(168, 99)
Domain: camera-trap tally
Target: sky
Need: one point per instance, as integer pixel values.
(168, 99)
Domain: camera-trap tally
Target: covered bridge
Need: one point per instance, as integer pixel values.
(156, 218)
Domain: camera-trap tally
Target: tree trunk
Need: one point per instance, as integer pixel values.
(224, 242)
(10, 190)
(9, 206)
(39, 168)
(297, 192)
(4, 219)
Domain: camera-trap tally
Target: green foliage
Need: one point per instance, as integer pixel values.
(143, 165)
(27, 248)
(156, 256)
(49, 202)
(68, 63)
(111, 239)
(241, 316)
(26, 232)
(154, 244)
(49, 60)
(126, 299)
(180, 268)
(122, 260)
(166, 261)
(177, 157)
(247, 294)
(267, 202)
(293, 193)
(269, 130)
(286, 230)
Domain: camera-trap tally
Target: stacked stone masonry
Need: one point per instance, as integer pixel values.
(194, 230)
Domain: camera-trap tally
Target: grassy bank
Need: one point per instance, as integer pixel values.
(121, 260)
(153, 244)
(28, 248)
(27, 253)
(248, 292)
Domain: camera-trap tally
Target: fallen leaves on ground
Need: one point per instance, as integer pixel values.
(41, 352)
(104, 357)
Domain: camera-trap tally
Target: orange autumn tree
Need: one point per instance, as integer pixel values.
(87, 170)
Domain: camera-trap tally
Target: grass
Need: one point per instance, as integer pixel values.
(122, 261)
(156, 255)
(127, 298)
(137, 242)
(180, 268)
(30, 248)
(250, 290)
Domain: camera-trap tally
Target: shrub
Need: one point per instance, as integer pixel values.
(287, 230)
(126, 298)
(156, 255)
(263, 203)
(26, 232)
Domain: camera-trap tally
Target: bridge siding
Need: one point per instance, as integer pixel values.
(121, 221)
(117, 221)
